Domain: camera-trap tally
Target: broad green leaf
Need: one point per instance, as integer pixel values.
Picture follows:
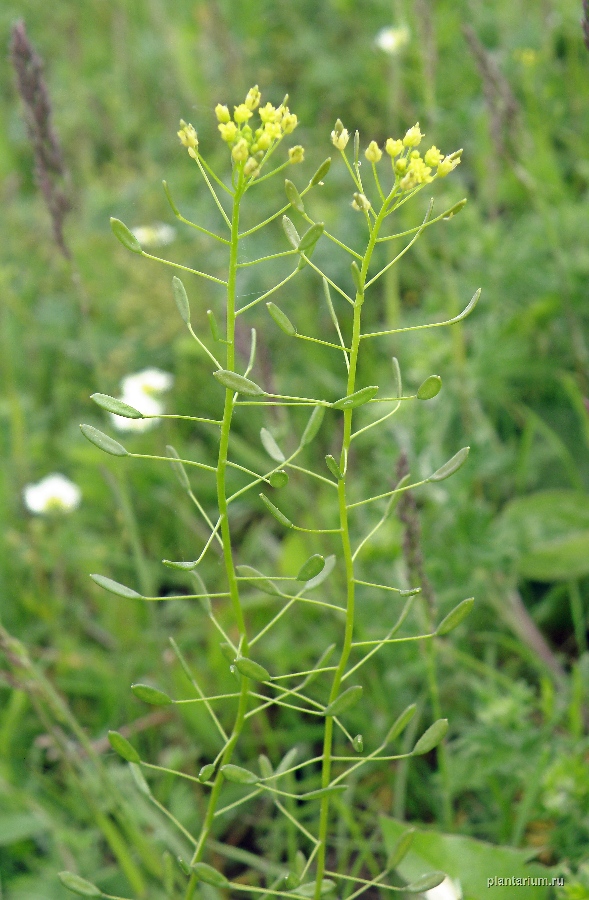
(121, 590)
(251, 669)
(79, 885)
(181, 298)
(209, 875)
(122, 746)
(293, 196)
(349, 697)
(125, 235)
(178, 468)
(321, 171)
(112, 405)
(429, 388)
(273, 510)
(256, 579)
(281, 319)
(271, 447)
(150, 695)
(314, 565)
(431, 738)
(235, 382)
(103, 441)
(455, 617)
(313, 425)
(239, 775)
(451, 466)
(400, 723)
(358, 398)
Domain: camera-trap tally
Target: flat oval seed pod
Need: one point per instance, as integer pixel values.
(122, 746)
(79, 885)
(398, 380)
(314, 565)
(227, 651)
(201, 588)
(431, 738)
(293, 196)
(308, 889)
(310, 237)
(451, 466)
(183, 566)
(344, 701)
(325, 572)
(150, 695)
(239, 775)
(324, 792)
(278, 479)
(333, 467)
(321, 171)
(287, 760)
(265, 765)
(401, 723)
(281, 319)
(178, 467)
(206, 772)
(139, 779)
(291, 233)
(213, 325)
(250, 669)
(401, 849)
(270, 446)
(121, 590)
(125, 235)
(103, 441)
(111, 404)
(181, 298)
(257, 580)
(456, 616)
(209, 875)
(455, 209)
(357, 278)
(184, 866)
(274, 511)
(358, 398)
(358, 743)
(313, 425)
(235, 382)
(429, 388)
(425, 883)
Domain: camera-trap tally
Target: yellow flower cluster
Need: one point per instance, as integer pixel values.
(408, 165)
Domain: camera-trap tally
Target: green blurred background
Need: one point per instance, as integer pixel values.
(507, 82)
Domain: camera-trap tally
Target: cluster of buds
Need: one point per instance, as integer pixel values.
(249, 146)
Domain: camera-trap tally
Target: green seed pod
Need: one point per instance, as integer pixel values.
(397, 374)
(122, 746)
(209, 875)
(356, 276)
(430, 388)
(319, 579)
(310, 237)
(401, 849)
(358, 398)
(170, 199)
(206, 773)
(293, 196)
(431, 738)
(274, 511)
(456, 616)
(270, 446)
(278, 479)
(114, 587)
(235, 382)
(182, 566)
(455, 209)
(425, 883)
(257, 580)
(281, 319)
(451, 466)
(265, 765)
(291, 233)
(178, 467)
(321, 171)
(181, 298)
(314, 565)
(235, 674)
(308, 889)
(344, 701)
(139, 779)
(358, 743)
(112, 405)
(239, 775)
(227, 651)
(125, 236)
(321, 662)
(287, 760)
(324, 792)
(150, 695)
(103, 441)
(79, 885)
(400, 723)
(213, 325)
(250, 669)
(201, 588)
(333, 467)
(313, 425)
(184, 866)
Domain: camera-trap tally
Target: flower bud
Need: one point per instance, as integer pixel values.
(187, 135)
(228, 131)
(222, 113)
(393, 147)
(361, 202)
(242, 113)
(339, 139)
(267, 113)
(373, 152)
(413, 136)
(289, 123)
(253, 97)
(447, 165)
(400, 166)
(433, 157)
(296, 154)
(251, 167)
(241, 151)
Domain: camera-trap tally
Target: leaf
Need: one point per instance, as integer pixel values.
(401, 849)
(239, 383)
(310, 237)
(451, 466)
(213, 325)
(257, 580)
(308, 889)
(281, 319)
(291, 233)
(313, 425)
(293, 196)
(103, 441)
(314, 565)
(178, 468)
(206, 772)
(273, 510)
(125, 235)
(455, 617)
(251, 669)
(122, 746)
(431, 738)
(349, 697)
(181, 298)
(400, 723)
(278, 479)
(79, 885)
(150, 695)
(325, 572)
(467, 860)
(209, 875)
(270, 446)
(116, 406)
(560, 559)
(321, 171)
(239, 775)
(429, 388)
(425, 883)
(121, 590)
(358, 398)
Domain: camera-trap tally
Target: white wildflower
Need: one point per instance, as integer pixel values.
(54, 493)
(157, 235)
(391, 40)
(447, 890)
(143, 390)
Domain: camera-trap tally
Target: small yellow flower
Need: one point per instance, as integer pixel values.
(251, 167)
(373, 152)
(253, 97)
(187, 135)
(267, 113)
(222, 113)
(401, 166)
(393, 147)
(296, 154)
(361, 202)
(228, 131)
(242, 113)
(448, 164)
(241, 151)
(262, 143)
(413, 136)
(273, 130)
(340, 138)
(433, 157)
(289, 123)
